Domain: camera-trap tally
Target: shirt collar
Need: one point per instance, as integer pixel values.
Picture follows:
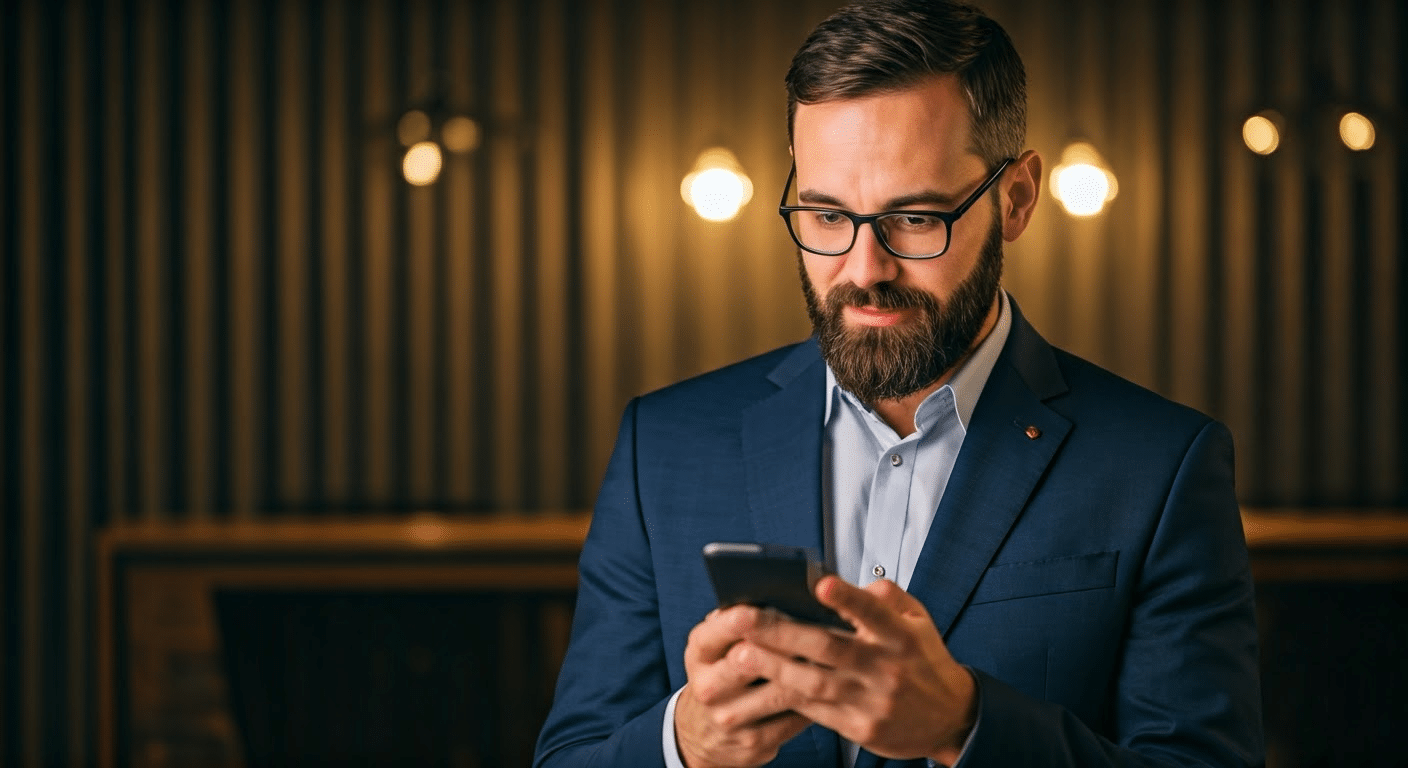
(966, 384)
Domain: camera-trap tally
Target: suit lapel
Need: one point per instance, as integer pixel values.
(781, 441)
(1012, 438)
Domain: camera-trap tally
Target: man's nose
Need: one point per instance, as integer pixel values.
(868, 263)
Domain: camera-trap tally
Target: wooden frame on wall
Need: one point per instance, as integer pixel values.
(158, 640)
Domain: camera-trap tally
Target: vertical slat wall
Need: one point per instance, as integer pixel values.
(219, 299)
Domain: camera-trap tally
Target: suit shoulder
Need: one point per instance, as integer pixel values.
(1121, 401)
(744, 380)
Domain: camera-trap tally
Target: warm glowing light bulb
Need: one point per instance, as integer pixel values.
(716, 194)
(1082, 183)
(421, 165)
(1356, 131)
(1082, 188)
(717, 188)
(1260, 134)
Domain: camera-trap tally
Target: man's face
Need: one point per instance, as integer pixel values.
(891, 327)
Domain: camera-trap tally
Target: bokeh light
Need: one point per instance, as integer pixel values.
(1261, 134)
(422, 162)
(460, 134)
(413, 127)
(1357, 131)
(717, 188)
(1082, 183)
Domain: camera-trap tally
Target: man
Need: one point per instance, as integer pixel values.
(1044, 563)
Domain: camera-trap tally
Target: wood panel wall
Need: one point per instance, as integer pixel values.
(219, 299)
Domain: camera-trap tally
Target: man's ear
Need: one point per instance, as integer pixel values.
(1021, 187)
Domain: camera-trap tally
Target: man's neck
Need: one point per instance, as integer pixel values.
(899, 413)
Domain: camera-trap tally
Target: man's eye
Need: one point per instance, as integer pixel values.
(916, 223)
(829, 218)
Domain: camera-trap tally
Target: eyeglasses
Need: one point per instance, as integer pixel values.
(905, 234)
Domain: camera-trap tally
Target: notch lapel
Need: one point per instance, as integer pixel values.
(996, 471)
(781, 440)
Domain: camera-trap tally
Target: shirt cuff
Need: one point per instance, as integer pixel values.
(667, 735)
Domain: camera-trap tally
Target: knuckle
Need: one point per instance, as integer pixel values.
(815, 687)
(705, 692)
(725, 720)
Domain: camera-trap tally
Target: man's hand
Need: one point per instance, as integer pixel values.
(891, 687)
(726, 715)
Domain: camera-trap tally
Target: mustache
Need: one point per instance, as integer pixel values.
(881, 296)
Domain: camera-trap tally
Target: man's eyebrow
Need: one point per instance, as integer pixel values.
(929, 197)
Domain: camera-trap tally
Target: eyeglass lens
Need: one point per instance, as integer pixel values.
(907, 234)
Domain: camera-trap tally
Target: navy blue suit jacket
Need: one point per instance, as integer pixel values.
(1095, 575)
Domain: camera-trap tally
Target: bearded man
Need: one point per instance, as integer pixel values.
(1043, 563)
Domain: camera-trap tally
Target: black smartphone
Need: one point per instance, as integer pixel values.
(770, 576)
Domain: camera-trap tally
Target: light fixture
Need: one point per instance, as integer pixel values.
(1357, 131)
(421, 165)
(1262, 132)
(416, 130)
(717, 188)
(1082, 182)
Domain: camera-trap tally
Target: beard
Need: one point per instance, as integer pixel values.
(892, 362)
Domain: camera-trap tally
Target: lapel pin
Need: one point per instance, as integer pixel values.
(1032, 432)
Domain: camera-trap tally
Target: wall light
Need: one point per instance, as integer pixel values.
(424, 159)
(717, 188)
(1083, 182)
(1262, 132)
(1356, 131)
(421, 165)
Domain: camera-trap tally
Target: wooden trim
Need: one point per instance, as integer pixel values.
(546, 533)
(1270, 529)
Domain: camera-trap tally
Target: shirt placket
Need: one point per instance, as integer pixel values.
(888, 511)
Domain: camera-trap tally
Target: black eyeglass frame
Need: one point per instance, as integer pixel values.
(857, 219)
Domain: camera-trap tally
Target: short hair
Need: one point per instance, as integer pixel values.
(868, 48)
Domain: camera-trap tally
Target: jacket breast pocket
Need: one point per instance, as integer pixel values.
(1009, 581)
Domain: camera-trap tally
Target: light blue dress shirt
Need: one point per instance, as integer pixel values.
(880, 491)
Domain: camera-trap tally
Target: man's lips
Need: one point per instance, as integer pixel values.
(874, 316)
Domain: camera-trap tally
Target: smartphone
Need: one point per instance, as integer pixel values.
(770, 576)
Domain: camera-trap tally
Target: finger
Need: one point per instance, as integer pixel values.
(818, 645)
(799, 681)
(743, 706)
(711, 638)
(867, 610)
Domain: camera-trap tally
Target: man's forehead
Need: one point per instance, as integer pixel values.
(931, 110)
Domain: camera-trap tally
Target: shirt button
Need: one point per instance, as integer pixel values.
(895, 460)
(879, 571)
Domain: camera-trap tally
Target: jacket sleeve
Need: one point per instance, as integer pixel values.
(1187, 691)
(613, 688)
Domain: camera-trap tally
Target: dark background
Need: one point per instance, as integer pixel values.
(219, 300)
